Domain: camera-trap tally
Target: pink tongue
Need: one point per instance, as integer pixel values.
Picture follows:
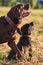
(26, 14)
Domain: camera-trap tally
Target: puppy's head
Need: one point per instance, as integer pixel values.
(18, 12)
(27, 28)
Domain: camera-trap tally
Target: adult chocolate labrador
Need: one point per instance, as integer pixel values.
(9, 24)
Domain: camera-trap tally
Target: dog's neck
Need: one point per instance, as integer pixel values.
(10, 22)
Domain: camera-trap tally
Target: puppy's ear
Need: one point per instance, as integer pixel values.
(31, 24)
(27, 6)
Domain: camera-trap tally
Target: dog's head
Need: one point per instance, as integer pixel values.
(27, 28)
(18, 12)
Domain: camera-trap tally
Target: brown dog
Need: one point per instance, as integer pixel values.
(9, 23)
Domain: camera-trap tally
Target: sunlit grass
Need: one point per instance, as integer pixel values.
(4, 10)
(37, 37)
(35, 14)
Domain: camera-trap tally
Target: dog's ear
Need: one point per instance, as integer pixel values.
(27, 6)
(19, 6)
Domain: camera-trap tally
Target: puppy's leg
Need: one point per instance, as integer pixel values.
(26, 51)
(19, 45)
(30, 52)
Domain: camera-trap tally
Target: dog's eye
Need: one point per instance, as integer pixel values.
(16, 9)
(22, 9)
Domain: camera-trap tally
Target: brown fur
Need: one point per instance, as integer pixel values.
(6, 32)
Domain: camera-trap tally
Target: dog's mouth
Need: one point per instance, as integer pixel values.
(27, 11)
(26, 14)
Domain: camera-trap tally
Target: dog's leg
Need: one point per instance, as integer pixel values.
(11, 55)
(13, 46)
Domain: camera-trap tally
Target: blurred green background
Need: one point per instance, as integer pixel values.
(34, 3)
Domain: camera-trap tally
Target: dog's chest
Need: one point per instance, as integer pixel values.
(25, 40)
(5, 28)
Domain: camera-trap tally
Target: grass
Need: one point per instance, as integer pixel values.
(1, 55)
(4, 10)
(37, 39)
(41, 15)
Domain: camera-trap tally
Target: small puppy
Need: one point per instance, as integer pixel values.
(25, 41)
